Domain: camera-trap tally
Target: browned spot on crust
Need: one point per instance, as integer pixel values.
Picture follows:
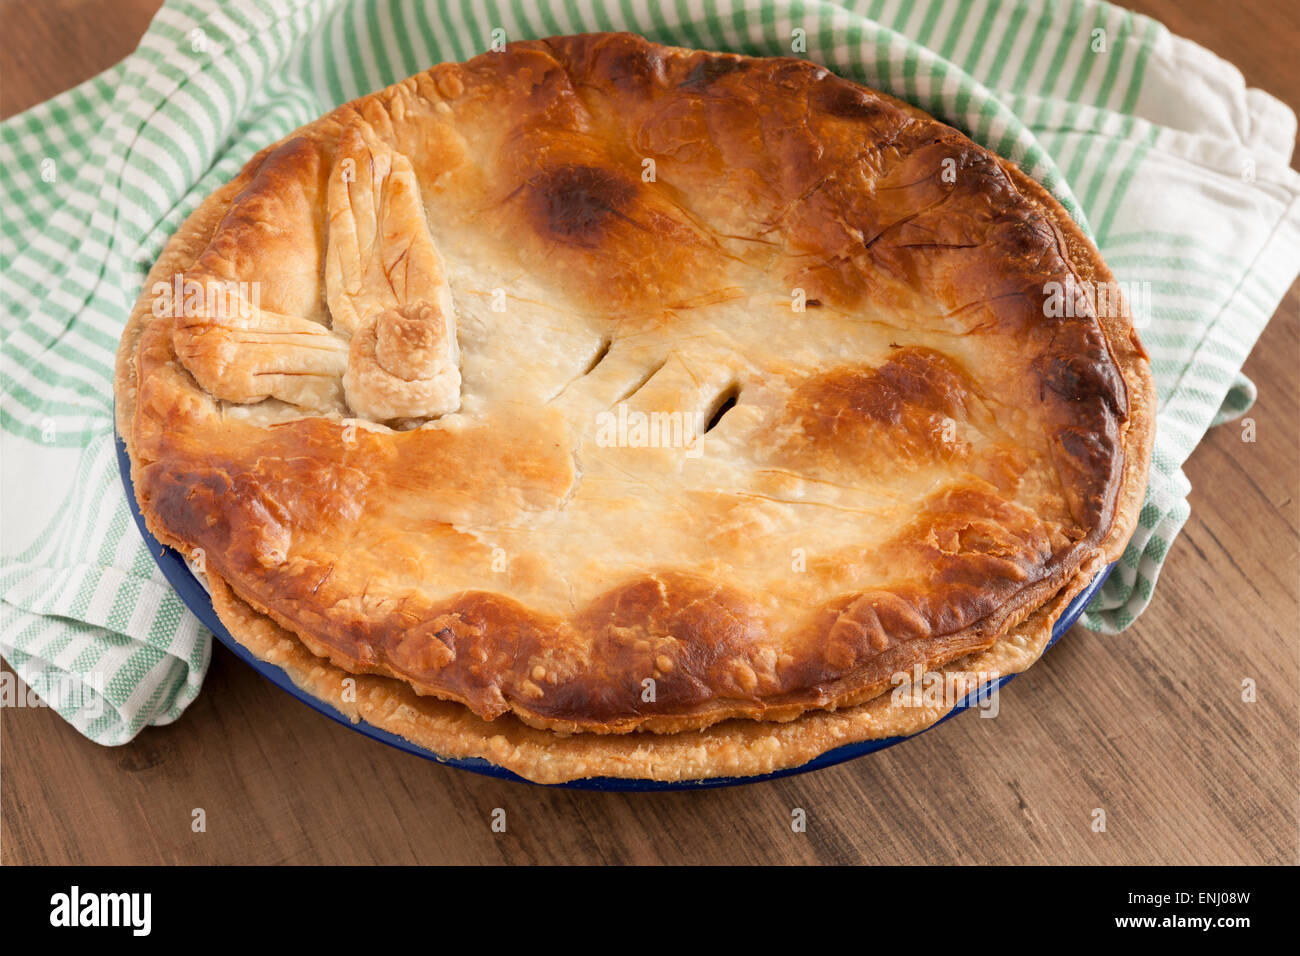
(902, 411)
(576, 205)
(699, 628)
(913, 379)
(708, 71)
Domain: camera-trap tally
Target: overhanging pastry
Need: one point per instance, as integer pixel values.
(598, 387)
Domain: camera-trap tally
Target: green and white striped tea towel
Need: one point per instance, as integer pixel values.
(1178, 170)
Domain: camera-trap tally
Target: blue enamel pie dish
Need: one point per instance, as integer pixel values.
(196, 598)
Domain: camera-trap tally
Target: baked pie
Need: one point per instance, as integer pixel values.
(606, 408)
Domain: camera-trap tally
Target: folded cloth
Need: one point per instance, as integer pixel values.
(1153, 144)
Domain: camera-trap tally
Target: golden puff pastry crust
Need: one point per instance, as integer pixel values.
(596, 386)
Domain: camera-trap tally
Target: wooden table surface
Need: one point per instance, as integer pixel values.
(1148, 725)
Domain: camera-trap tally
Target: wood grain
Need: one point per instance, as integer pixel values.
(1149, 726)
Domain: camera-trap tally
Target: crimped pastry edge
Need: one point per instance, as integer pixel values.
(734, 748)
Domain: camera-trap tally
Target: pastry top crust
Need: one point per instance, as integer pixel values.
(625, 387)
